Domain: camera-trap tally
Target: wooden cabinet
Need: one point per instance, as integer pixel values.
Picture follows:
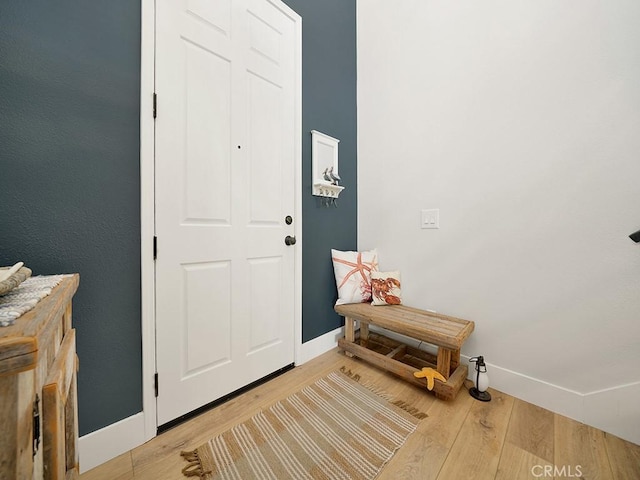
(38, 407)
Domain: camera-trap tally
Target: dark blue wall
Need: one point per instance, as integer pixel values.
(328, 105)
(70, 178)
(70, 171)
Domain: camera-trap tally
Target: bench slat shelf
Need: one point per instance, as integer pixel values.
(443, 331)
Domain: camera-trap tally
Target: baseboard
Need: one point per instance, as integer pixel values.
(613, 410)
(319, 345)
(107, 443)
(98, 447)
(543, 394)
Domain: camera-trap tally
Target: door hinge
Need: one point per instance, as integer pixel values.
(155, 383)
(155, 247)
(36, 424)
(155, 105)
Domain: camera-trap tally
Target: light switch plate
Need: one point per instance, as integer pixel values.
(430, 218)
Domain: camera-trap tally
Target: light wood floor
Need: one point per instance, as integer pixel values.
(464, 439)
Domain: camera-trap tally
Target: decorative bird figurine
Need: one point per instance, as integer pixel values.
(430, 374)
(334, 177)
(326, 176)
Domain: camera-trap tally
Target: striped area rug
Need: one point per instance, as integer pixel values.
(332, 429)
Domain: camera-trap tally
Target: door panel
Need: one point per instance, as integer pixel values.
(217, 13)
(207, 313)
(266, 303)
(264, 147)
(225, 181)
(207, 187)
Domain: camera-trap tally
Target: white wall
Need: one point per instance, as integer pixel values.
(520, 121)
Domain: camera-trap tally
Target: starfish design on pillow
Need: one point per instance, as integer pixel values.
(430, 374)
(359, 267)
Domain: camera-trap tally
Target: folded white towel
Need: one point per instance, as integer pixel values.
(4, 274)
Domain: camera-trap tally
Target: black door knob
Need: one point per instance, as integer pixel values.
(289, 240)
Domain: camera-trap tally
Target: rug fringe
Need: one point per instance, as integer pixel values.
(350, 374)
(194, 467)
(381, 393)
(409, 409)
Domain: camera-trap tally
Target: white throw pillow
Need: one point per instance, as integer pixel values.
(353, 275)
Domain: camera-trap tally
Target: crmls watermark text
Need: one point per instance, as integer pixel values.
(567, 471)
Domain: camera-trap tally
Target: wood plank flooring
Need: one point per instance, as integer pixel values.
(505, 439)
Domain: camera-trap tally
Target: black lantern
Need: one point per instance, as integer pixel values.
(479, 392)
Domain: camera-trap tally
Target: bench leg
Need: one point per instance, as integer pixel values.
(444, 361)
(455, 360)
(349, 333)
(364, 333)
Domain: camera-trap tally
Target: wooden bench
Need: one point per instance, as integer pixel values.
(445, 332)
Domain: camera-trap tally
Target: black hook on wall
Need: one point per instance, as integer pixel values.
(635, 236)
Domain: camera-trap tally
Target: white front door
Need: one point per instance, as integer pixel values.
(226, 158)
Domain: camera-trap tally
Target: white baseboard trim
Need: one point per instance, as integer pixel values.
(613, 410)
(98, 447)
(319, 345)
(107, 443)
(543, 394)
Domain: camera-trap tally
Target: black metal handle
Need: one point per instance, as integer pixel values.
(289, 240)
(635, 236)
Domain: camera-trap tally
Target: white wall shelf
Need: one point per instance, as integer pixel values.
(324, 160)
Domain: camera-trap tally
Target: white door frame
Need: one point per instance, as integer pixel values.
(147, 205)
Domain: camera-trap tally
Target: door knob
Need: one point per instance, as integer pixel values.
(289, 240)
